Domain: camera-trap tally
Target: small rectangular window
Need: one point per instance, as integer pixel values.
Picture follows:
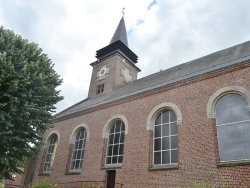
(100, 89)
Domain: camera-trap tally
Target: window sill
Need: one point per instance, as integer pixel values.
(233, 163)
(73, 172)
(111, 167)
(165, 167)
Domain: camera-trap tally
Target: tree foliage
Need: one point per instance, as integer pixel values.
(27, 97)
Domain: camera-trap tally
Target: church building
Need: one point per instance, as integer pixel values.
(180, 127)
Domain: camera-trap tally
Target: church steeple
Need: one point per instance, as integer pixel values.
(115, 64)
(120, 33)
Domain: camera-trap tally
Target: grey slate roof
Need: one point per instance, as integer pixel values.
(120, 33)
(214, 61)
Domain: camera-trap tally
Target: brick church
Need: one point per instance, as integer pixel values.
(187, 125)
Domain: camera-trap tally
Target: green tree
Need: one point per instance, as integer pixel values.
(27, 99)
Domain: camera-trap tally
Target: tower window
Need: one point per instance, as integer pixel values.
(100, 89)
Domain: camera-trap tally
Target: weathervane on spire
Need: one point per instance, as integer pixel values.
(123, 12)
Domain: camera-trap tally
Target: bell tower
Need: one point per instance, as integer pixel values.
(115, 64)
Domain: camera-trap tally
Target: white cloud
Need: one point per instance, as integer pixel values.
(169, 33)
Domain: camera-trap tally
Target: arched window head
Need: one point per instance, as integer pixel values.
(233, 127)
(78, 151)
(50, 155)
(165, 138)
(114, 154)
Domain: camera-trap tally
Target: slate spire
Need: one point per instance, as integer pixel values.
(120, 33)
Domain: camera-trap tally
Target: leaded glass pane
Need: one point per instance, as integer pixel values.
(122, 128)
(157, 158)
(111, 138)
(117, 137)
(174, 156)
(157, 145)
(165, 130)
(118, 126)
(120, 159)
(121, 149)
(165, 143)
(174, 140)
(166, 157)
(157, 131)
(110, 149)
(174, 128)
(158, 120)
(122, 138)
(172, 116)
(115, 150)
(165, 117)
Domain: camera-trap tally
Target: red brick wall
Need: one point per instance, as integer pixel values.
(197, 142)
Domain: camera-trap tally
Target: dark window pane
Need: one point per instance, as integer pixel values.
(78, 154)
(172, 116)
(112, 130)
(122, 137)
(123, 127)
(158, 131)
(74, 154)
(157, 158)
(77, 165)
(165, 130)
(110, 148)
(78, 136)
(157, 145)
(50, 149)
(73, 165)
(117, 137)
(82, 134)
(111, 138)
(174, 142)
(118, 126)
(174, 156)
(173, 128)
(115, 150)
(47, 158)
(80, 146)
(80, 164)
(121, 149)
(158, 120)
(120, 159)
(165, 117)
(114, 160)
(82, 154)
(165, 157)
(165, 143)
(108, 160)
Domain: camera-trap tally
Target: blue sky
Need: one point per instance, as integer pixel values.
(163, 33)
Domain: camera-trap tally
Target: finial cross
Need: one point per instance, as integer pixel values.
(123, 12)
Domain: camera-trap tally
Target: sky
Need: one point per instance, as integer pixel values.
(163, 33)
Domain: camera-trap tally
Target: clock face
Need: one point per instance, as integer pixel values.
(102, 71)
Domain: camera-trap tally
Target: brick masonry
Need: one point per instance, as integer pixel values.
(197, 141)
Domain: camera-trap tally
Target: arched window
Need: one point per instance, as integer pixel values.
(115, 145)
(78, 151)
(233, 127)
(50, 155)
(165, 138)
